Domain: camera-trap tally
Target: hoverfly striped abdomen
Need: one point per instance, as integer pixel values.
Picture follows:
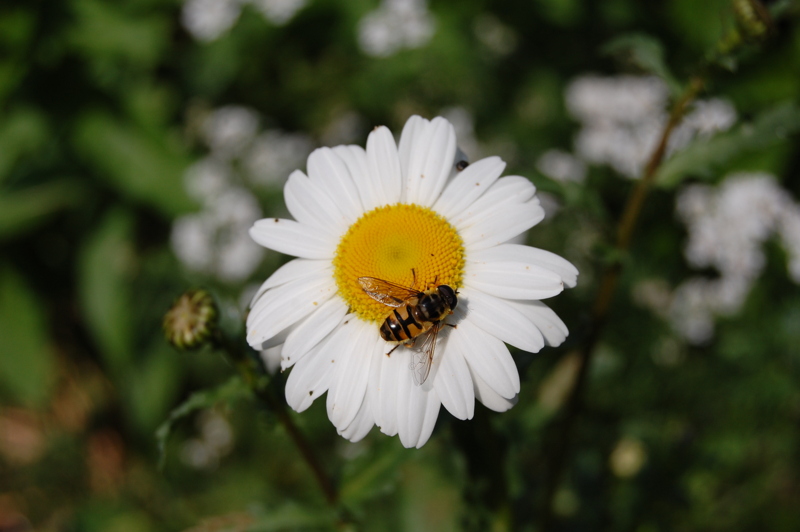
(413, 315)
(403, 324)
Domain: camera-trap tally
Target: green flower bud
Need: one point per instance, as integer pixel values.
(753, 19)
(191, 320)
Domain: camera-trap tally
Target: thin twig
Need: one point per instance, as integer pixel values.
(605, 295)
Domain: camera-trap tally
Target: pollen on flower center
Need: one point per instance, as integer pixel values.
(387, 243)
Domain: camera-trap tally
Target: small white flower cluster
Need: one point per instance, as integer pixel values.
(622, 118)
(279, 12)
(395, 25)
(727, 227)
(208, 20)
(215, 441)
(214, 240)
(561, 166)
(274, 154)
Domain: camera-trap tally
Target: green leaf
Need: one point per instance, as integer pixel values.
(705, 156)
(643, 52)
(141, 166)
(150, 386)
(292, 516)
(232, 390)
(104, 30)
(27, 365)
(21, 210)
(22, 132)
(105, 269)
(17, 30)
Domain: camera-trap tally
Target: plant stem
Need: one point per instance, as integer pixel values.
(605, 296)
(325, 483)
(249, 374)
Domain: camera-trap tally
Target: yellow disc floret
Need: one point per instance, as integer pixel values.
(388, 243)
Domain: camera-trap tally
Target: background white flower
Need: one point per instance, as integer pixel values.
(208, 20)
(395, 25)
(622, 118)
(403, 213)
(727, 228)
(214, 240)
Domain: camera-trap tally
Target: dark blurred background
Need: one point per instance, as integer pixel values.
(139, 139)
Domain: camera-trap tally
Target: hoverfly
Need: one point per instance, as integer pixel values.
(415, 316)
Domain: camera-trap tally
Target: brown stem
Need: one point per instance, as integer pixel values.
(605, 295)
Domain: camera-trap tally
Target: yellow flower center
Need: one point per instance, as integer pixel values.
(388, 243)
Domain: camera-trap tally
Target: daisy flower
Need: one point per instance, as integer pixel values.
(410, 214)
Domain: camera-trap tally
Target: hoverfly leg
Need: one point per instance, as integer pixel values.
(392, 350)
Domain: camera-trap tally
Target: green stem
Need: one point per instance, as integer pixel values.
(605, 296)
(250, 376)
(279, 408)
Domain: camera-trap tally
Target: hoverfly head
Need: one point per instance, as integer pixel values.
(449, 296)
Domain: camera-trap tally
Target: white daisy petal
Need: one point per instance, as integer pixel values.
(543, 317)
(528, 255)
(374, 384)
(355, 158)
(505, 191)
(501, 319)
(453, 383)
(278, 340)
(309, 206)
(293, 238)
(504, 224)
(488, 356)
(417, 409)
(361, 424)
(468, 186)
(429, 421)
(413, 128)
(490, 398)
(512, 280)
(384, 165)
(312, 330)
(331, 173)
(309, 379)
(271, 358)
(285, 305)
(433, 149)
(351, 353)
(393, 369)
(291, 271)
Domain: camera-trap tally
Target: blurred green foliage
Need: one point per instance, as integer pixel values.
(99, 102)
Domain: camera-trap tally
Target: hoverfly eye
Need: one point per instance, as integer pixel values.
(449, 296)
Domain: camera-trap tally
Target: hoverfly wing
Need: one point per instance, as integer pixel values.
(390, 294)
(422, 356)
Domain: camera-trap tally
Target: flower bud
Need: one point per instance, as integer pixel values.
(753, 19)
(191, 320)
